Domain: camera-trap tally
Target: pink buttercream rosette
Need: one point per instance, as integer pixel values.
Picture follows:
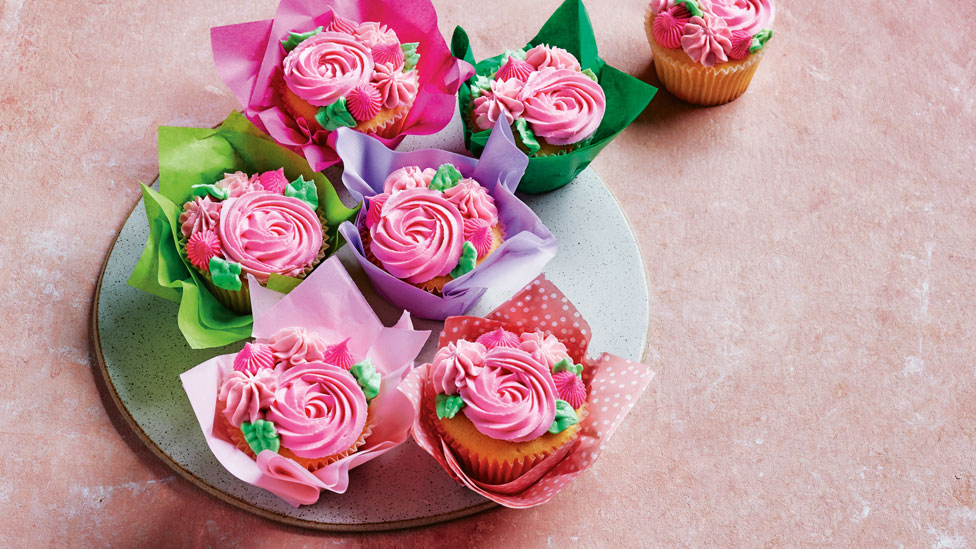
(330, 304)
(249, 56)
(613, 386)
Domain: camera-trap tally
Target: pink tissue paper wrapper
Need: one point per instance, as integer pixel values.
(529, 245)
(248, 57)
(327, 302)
(613, 386)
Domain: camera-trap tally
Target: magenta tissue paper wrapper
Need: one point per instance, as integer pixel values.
(248, 57)
(328, 302)
(528, 246)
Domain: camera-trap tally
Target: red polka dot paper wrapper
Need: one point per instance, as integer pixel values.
(613, 386)
(248, 57)
(330, 304)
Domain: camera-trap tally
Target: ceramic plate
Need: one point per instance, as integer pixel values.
(142, 353)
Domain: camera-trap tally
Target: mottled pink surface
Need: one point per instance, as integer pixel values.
(810, 252)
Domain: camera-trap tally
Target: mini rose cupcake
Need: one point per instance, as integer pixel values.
(706, 51)
(552, 105)
(259, 225)
(298, 396)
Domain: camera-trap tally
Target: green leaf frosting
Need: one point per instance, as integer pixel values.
(479, 84)
(566, 365)
(225, 274)
(446, 177)
(518, 54)
(592, 75)
(760, 39)
(261, 435)
(468, 261)
(335, 116)
(527, 135)
(410, 55)
(692, 7)
(219, 193)
(448, 405)
(367, 377)
(565, 417)
(296, 38)
(304, 191)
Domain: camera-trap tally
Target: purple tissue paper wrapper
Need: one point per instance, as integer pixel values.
(528, 246)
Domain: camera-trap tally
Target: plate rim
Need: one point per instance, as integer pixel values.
(271, 515)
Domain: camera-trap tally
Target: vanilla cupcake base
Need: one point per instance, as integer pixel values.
(695, 83)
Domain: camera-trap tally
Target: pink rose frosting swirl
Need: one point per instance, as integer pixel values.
(239, 184)
(319, 410)
(514, 397)
(408, 177)
(270, 233)
(327, 66)
(543, 56)
(246, 393)
(294, 346)
(750, 16)
(419, 235)
(199, 215)
(707, 40)
(546, 348)
(453, 363)
(502, 99)
(473, 201)
(562, 105)
(372, 34)
(396, 87)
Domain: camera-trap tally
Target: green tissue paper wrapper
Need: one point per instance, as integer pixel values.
(568, 28)
(193, 156)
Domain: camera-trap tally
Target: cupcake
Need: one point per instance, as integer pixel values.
(430, 226)
(349, 74)
(706, 51)
(300, 397)
(260, 225)
(505, 402)
(552, 105)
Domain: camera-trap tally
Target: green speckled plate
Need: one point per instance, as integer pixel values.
(142, 353)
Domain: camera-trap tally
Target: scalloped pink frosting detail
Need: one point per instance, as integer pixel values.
(319, 410)
(513, 398)
(515, 68)
(502, 99)
(375, 208)
(372, 34)
(473, 201)
(562, 105)
(455, 362)
(388, 54)
(397, 88)
(750, 16)
(274, 181)
(270, 233)
(202, 247)
(478, 233)
(246, 394)
(339, 355)
(543, 56)
(741, 42)
(419, 235)
(238, 184)
(499, 338)
(341, 24)
(253, 357)
(546, 348)
(364, 103)
(707, 40)
(570, 388)
(408, 177)
(293, 346)
(200, 214)
(327, 66)
(668, 26)
(657, 6)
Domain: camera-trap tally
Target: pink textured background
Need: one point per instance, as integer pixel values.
(810, 251)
